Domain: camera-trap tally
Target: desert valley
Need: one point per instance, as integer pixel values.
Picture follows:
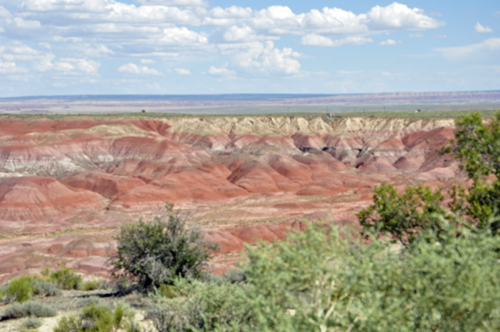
(67, 184)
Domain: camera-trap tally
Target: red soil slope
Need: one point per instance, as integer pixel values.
(240, 178)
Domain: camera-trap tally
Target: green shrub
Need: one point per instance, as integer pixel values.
(156, 253)
(167, 291)
(97, 318)
(31, 323)
(403, 216)
(23, 288)
(235, 276)
(66, 278)
(209, 306)
(314, 281)
(35, 309)
(69, 324)
(45, 288)
(90, 285)
(122, 311)
(86, 301)
(19, 290)
(477, 146)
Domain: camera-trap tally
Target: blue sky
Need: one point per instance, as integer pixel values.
(62, 47)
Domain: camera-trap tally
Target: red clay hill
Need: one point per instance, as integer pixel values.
(67, 185)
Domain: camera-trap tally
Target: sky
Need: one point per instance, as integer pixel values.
(79, 47)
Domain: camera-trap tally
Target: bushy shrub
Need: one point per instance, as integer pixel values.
(19, 290)
(86, 301)
(403, 216)
(235, 276)
(477, 146)
(68, 324)
(327, 281)
(31, 323)
(97, 318)
(156, 253)
(35, 309)
(90, 285)
(209, 306)
(66, 278)
(23, 288)
(45, 288)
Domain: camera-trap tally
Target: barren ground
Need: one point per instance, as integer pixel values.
(67, 185)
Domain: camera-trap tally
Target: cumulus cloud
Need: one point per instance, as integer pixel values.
(317, 40)
(26, 24)
(262, 58)
(390, 42)
(221, 71)
(139, 70)
(73, 66)
(195, 3)
(274, 20)
(398, 16)
(4, 13)
(182, 36)
(10, 68)
(235, 34)
(486, 48)
(82, 31)
(482, 29)
(182, 71)
(95, 50)
(17, 51)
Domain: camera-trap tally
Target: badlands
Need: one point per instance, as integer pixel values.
(68, 184)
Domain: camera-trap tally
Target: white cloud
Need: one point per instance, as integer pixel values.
(76, 66)
(17, 51)
(140, 70)
(317, 40)
(496, 14)
(482, 29)
(274, 20)
(81, 31)
(182, 36)
(416, 35)
(26, 24)
(484, 49)
(221, 71)
(45, 45)
(263, 58)
(390, 42)
(10, 68)
(182, 71)
(95, 51)
(65, 5)
(398, 16)
(194, 3)
(4, 13)
(235, 33)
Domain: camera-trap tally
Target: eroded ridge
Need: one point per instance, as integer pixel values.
(66, 185)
